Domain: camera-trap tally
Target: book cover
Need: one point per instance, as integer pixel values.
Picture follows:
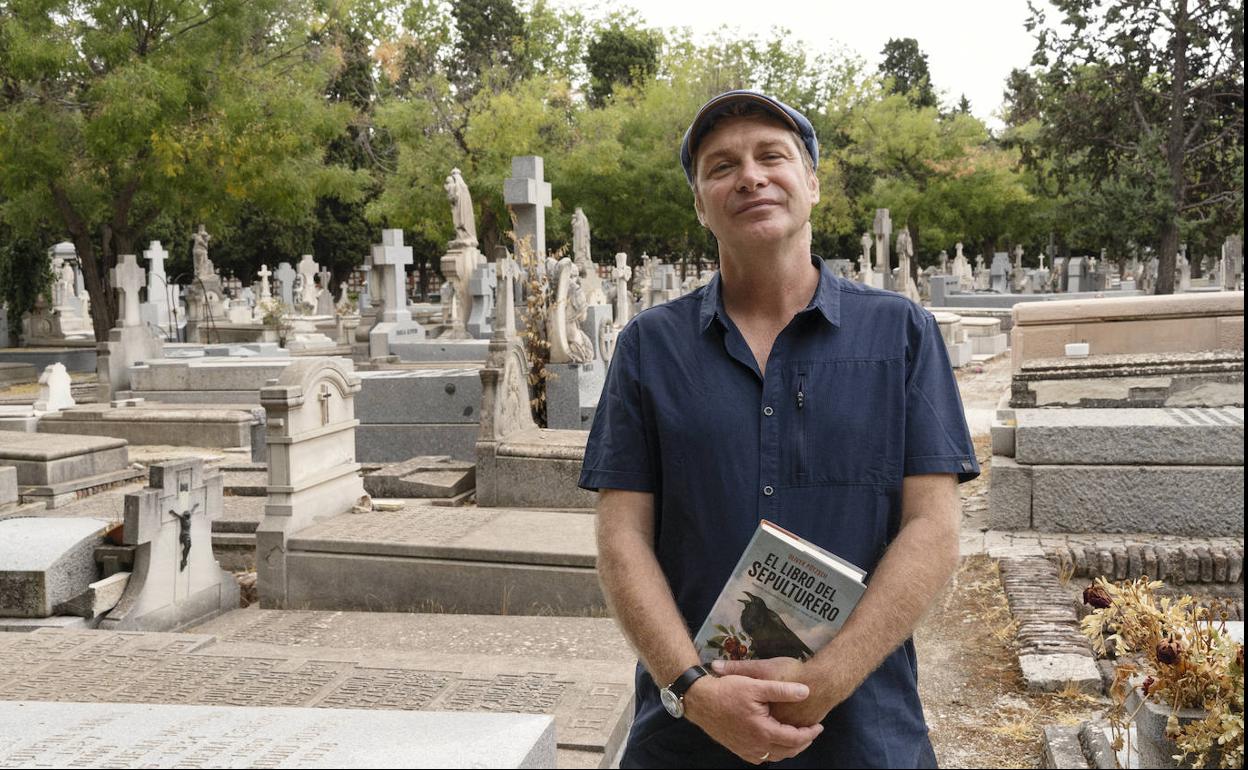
(787, 597)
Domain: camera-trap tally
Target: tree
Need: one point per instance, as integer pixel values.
(115, 113)
(620, 55)
(1143, 104)
(905, 67)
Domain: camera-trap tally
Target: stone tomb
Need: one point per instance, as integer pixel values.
(313, 473)
(175, 579)
(406, 413)
(959, 348)
(57, 469)
(577, 670)
(164, 424)
(422, 477)
(1208, 379)
(85, 735)
(985, 335)
(1165, 471)
(1155, 324)
(433, 558)
(518, 463)
(45, 562)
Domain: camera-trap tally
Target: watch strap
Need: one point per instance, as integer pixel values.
(686, 680)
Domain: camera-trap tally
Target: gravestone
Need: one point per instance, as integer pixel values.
(156, 310)
(55, 392)
(388, 262)
(983, 278)
(175, 580)
(1074, 275)
(882, 226)
(130, 341)
(528, 194)
(312, 469)
(940, 289)
(285, 277)
(161, 735)
(1232, 269)
(44, 562)
(623, 298)
(481, 289)
(999, 273)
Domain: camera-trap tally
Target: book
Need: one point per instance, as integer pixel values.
(787, 597)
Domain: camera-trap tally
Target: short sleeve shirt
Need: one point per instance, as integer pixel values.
(858, 394)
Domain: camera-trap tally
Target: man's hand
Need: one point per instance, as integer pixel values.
(824, 695)
(735, 711)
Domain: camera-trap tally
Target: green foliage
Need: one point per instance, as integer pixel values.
(619, 55)
(905, 70)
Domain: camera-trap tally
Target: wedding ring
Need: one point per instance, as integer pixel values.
(764, 757)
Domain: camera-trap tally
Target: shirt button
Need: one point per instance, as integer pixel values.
(768, 411)
(767, 490)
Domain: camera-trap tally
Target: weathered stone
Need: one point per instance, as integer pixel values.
(1135, 562)
(45, 562)
(1195, 501)
(165, 425)
(8, 486)
(421, 477)
(1009, 495)
(1234, 565)
(1219, 565)
(1205, 560)
(1150, 562)
(157, 735)
(1130, 436)
(1053, 673)
(1191, 565)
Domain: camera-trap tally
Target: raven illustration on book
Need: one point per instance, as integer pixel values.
(772, 638)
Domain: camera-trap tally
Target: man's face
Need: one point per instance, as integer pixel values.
(752, 184)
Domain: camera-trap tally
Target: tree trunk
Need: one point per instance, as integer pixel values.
(1169, 246)
(95, 276)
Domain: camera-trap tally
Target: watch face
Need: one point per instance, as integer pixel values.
(672, 703)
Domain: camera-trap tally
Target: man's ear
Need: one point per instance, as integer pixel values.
(813, 183)
(697, 207)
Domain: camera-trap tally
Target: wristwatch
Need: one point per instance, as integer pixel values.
(673, 696)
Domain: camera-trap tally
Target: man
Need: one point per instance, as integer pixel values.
(780, 392)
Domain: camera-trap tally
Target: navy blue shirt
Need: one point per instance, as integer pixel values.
(858, 393)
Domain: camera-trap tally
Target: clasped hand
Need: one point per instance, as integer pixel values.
(756, 709)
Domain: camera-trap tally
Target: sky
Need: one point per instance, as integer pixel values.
(971, 45)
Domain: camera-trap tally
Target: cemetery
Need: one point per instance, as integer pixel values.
(291, 431)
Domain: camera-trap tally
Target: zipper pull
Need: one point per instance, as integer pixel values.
(801, 391)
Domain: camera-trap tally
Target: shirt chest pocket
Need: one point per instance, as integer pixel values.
(845, 422)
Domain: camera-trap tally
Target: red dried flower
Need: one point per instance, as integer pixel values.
(1147, 687)
(1168, 652)
(1096, 596)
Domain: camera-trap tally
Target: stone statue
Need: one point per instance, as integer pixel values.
(568, 343)
(580, 237)
(204, 268)
(461, 209)
(867, 242)
(905, 247)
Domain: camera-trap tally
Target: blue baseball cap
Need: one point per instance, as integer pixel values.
(706, 116)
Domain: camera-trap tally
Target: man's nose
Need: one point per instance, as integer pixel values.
(750, 176)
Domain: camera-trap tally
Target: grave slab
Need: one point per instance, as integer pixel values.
(415, 396)
(1190, 379)
(14, 372)
(45, 562)
(1009, 494)
(266, 660)
(1197, 501)
(1056, 672)
(1130, 436)
(421, 477)
(183, 425)
(49, 460)
(86, 735)
(399, 441)
(462, 560)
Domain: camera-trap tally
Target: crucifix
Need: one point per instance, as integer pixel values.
(529, 195)
(324, 397)
(127, 278)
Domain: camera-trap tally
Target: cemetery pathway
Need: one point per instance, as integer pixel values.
(978, 709)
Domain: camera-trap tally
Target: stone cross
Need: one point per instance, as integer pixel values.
(508, 271)
(127, 278)
(883, 228)
(266, 291)
(389, 260)
(623, 300)
(324, 396)
(285, 275)
(308, 269)
(529, 196)
(155, 255)
(1018, 255)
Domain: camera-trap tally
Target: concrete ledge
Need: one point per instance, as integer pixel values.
(1053, 673)
(1061, 748)
(143, 425)
(1009, 494)
(397, 584)
(1197, 501)
(402, 441)
(1130, 436)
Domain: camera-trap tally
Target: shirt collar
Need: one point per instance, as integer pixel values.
(827, 298)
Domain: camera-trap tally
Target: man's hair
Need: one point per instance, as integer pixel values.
(745, 109)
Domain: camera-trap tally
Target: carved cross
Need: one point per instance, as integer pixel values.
(266, 292)
(529, 195)
(127, 277)
(324, 397)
